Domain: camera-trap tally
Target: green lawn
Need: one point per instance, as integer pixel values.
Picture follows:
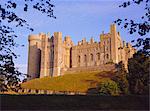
(69, 82)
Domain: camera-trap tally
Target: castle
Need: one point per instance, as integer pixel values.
(52, 56)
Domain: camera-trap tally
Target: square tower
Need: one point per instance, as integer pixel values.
(58, 51)
(114, 43)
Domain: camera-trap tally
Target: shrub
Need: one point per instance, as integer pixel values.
(108, 87)
(120, 78)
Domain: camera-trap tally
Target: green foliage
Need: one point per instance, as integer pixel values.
(108, 87)
(8, 74)
(140, 26)
(138, 75)
(121, 78)
(138, 67)
(3, 86)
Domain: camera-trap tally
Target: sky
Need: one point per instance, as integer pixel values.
(76, 18)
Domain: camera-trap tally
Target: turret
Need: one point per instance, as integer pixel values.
(114, 44)
(79, 42)
(83, 41)
(68, 42)
(34, 56)
(57, 53)
(45, 62)
(67, 52)
(67, 38)
(91, 40)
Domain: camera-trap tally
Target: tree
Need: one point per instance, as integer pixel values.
(142, 28)
(8, 16)
(120, 78)
(138, 75)
(138, 66)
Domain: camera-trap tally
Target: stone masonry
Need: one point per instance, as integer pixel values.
(52, 56)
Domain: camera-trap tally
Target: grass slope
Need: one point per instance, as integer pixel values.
(69, 82)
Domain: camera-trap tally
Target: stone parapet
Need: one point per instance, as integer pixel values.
(106, 67)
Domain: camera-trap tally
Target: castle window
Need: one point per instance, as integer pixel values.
(78, 59)
(85, 58)
(107, 56)
(98, 56)
(36, 44)
(91, 57)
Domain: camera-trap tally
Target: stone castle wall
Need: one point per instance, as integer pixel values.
(52, 56)
(99, 68)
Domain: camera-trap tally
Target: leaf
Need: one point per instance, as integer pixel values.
(132, 40)
(31, 29)
(26, 7)
(14, 5)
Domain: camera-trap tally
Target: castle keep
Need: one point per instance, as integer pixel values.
(52, 56)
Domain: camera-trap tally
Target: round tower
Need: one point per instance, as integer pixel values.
(34, 56)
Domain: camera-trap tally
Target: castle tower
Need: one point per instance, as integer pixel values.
(34, 56)
(58, 51)
(114, 43)
(67, 57)
(44, 56)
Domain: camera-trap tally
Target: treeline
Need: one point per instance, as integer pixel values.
(135, 81)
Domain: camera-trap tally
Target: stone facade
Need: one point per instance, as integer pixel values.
(52, 56)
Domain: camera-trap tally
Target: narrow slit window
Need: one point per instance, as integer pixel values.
(91, 57)
(78, 59)
(85, 58)
(98, 56)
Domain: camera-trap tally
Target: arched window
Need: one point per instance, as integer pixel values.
(107, 56)
(98, 56)
(91, 57)
(78, 59)
(85, 58)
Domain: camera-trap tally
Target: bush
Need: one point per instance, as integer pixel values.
(122, 82)
(108, 87)
(120, 78)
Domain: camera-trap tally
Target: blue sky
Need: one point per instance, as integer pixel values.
(77, 18)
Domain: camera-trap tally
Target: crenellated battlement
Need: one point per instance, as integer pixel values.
(104, 36)
(83, 42)
(34, 37)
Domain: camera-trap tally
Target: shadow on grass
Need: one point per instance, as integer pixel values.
(108, 74)
(92, 91)
(73, 102)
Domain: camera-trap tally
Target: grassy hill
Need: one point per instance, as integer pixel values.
(69, 82)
